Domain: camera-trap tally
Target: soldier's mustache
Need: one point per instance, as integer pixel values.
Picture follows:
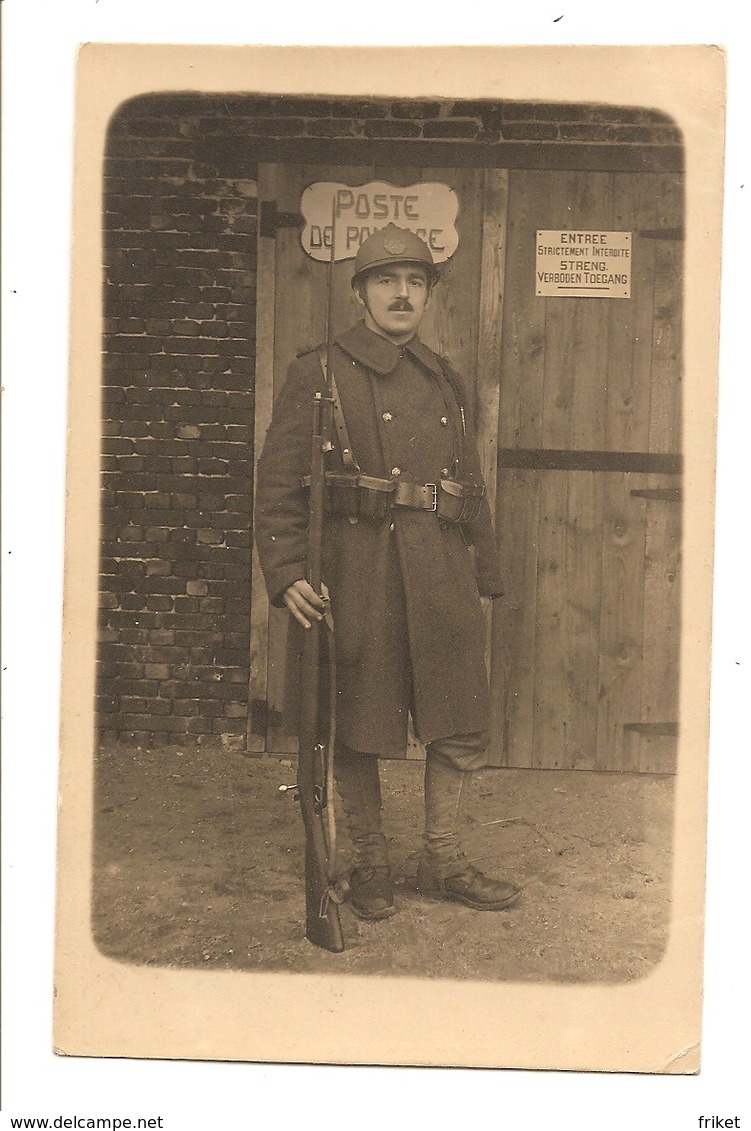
(401, 304)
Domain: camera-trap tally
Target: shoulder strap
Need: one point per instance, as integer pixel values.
(348, 456)
(457, 387)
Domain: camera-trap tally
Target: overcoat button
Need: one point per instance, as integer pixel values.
(387, 416)
(444, 472)
(444, 421)
(391, 526)
(396, 471)
(352, 519)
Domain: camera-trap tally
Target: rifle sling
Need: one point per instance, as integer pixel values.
(348, 456)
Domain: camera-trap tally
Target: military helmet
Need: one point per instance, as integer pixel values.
(393, 245)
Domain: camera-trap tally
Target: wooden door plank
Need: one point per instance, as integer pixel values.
(521, 403)
(259, 603)
(569, 574)
(659, 690)
(551, 697)
(568, 616)
(450, 323)
(523, 354)
(488, 369)
(621, 621)
(298, 322)
(665, 387)
(492, 289)
(576, 355)
(630, 320)
(514, 623)
(583, 576)
(624, 519)
(346, 309)
(663, 536)
(514, 654)
(562, 333)
(591, 206)
(402, 176)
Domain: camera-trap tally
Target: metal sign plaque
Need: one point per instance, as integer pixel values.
(354, 212)
(583, 264)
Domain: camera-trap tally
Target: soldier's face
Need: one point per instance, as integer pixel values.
(394, 298)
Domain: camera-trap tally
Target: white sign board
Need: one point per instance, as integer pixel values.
(583, 264)
(354, 213)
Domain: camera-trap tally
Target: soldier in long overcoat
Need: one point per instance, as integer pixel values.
(408, 552)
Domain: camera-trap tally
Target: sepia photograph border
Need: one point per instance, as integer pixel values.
(104, 1008)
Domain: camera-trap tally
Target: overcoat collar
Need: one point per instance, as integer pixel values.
(382, 356)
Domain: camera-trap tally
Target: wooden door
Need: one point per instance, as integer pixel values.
(579, 416)
(463, 322)
(585, 643)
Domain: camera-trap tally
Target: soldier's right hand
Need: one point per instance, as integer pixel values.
(304, 603)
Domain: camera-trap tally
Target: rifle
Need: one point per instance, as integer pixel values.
(315, 763)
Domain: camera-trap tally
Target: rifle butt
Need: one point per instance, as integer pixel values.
(323, 930)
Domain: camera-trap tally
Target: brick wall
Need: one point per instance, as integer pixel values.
(178, 358)
(178, 363)
(484, 123)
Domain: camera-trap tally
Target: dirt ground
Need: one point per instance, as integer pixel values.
(198, 862)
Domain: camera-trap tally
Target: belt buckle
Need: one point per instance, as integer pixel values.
(434, 502)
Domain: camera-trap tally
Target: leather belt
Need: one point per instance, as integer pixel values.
(369, 496)
(418, 496)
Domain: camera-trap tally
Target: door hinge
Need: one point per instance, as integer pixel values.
(259, 717)
(660, 494)
(270, 219)
(662, 234)
(667, 730)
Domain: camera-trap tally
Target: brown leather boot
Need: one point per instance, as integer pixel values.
(371, 891)
(468, 886)
(443, 870)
